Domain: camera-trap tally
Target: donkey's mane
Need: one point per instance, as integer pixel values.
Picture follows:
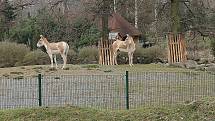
(123, 39)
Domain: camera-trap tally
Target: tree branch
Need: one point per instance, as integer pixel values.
(22, 6)
(56, 3)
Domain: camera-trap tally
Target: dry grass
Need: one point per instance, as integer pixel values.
(202, 110)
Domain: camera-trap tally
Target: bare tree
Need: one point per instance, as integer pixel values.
(136, 14)
(114, 5)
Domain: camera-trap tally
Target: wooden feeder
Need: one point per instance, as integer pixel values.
(105, 52)
(176, 48)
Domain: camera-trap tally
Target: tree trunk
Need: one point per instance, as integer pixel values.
(105, 14)
(156, 19)
(175, 16)
(114, 5)
(136, 14)
(65, 8)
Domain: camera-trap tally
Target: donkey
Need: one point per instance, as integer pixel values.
(125, 46)
(52, 49)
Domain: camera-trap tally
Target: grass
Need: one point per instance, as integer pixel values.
(84, 69)
(202, 110)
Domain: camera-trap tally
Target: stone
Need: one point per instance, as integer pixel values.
(201, 67)
(191, 64)
(177, 64)
(211, 68)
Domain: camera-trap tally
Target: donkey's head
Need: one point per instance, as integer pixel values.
(41, 41)
(118, 36)
(129, 39)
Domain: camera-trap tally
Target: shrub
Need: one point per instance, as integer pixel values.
(122, 58)
(72, 57)
(88, 55)
(213, 46)
(153, 54)
(143, 55)
(36, 57)
(11, 53)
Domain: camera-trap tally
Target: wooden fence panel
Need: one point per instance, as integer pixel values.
(176, 48)
(105, 52)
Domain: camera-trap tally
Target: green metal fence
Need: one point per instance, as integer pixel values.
(108, 91)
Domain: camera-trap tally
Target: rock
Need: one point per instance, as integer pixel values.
(159, 63)
(201, 67)
(177, 64)
(203, 61)
(191, 64)
(209, 65)
(211, 68)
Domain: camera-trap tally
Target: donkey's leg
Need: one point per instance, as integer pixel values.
(129, 58)
(132, 56)
(114, 62)
(55, 60)
(51, 58)
(115, 58)
(64, 60)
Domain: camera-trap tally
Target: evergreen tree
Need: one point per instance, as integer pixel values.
(8, 15)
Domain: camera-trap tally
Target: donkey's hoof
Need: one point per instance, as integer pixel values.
(66, 68)
(52, 69)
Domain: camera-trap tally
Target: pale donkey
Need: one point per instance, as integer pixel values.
(125, 46)
(52, 49)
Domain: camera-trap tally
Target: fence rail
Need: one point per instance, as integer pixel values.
(116, 91)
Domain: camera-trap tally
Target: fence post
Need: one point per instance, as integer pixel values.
(127, 90)
(40, 89)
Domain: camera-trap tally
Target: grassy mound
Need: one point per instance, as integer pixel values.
(203, 110)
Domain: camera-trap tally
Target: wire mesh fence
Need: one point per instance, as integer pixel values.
(100, 91)
(18, 92)
(169, 88)
(108, 91)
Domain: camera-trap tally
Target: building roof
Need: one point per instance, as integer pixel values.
(116, 23)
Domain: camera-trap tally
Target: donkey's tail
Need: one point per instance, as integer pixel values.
(66, 49)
